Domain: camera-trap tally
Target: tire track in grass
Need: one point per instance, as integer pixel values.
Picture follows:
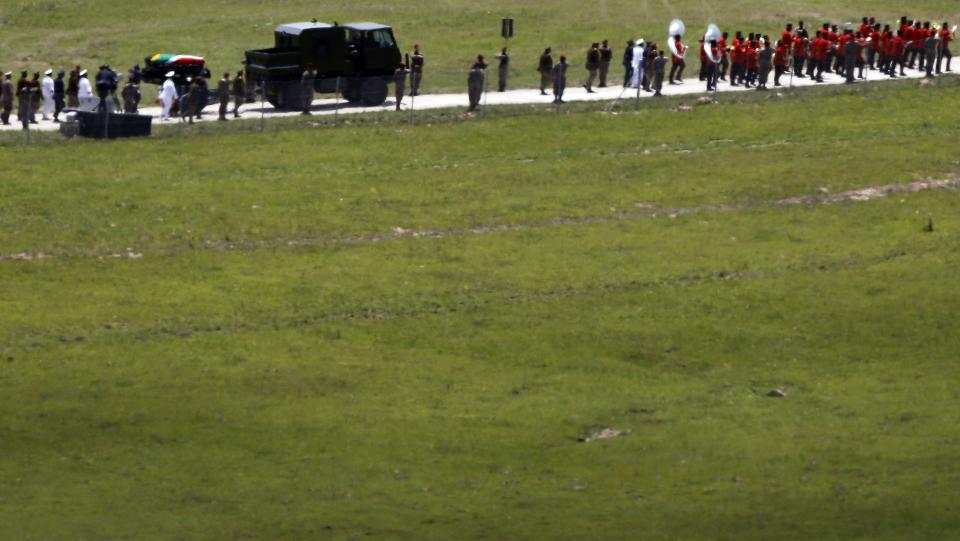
(398, 233)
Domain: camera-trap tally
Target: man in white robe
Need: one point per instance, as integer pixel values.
(637, 64)
(168, 94)
(46, 90)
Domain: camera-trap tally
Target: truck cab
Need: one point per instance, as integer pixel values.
(354, 59)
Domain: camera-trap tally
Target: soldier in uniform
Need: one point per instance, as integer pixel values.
(546, 70)
(73, 88)
(130, 95)
(6, 98)
(503, 69)
(628, 63)
(780, 62)
(26, 98)
(559, 80)
(606, 56)
(475, 84)
(400, 83)
(307, 85)
(593, 65)
(191, 100)
(223, 95)
(203, 94)
(239, 93)
(659, 67)
(417, 62)
(59, 95)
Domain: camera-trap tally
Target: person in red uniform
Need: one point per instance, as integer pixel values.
(946, 36)
(862, 40)
(787, 35)
(865, 28)
(842, 41)
(921, 36)
(737, 70)
(896, 54)
(799, 53)
(751, 49)
(874, 49)
(884, 49)
(818, 50)
(908, 44)
(703, 60)
(676, 69)
(780, 61)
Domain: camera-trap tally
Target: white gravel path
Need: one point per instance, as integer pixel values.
(327, 106)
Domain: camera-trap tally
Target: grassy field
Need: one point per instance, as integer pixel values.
(217, 338)
(36, 33)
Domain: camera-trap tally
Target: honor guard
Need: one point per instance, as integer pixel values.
(417, 62)
(606, 56)
(545, 67)
(400, 83)
(593, 66)
(239, 93)
(223, 95)
(503, 69)
(475, 80)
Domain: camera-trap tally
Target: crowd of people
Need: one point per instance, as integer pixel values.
(746, 60)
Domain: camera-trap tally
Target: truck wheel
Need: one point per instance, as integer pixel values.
(374, 92)
(351, 92)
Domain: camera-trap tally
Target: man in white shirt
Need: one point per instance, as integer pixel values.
(85, 90)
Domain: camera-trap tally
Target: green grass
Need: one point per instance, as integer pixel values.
(435, 388)
(37, 33)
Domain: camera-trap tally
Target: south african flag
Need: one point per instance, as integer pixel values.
(176, 60)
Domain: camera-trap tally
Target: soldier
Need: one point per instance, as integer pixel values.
(677, 61)
(559, 80)
(503, 69)
(59, 94)
(649, 53)
(764, 63)
(239, 93)
(546, 70)
(628, 63)
(130, 95)
(307, 84)
(46, 89)
(593, 65)
(921, 35)
(223, 95)
(417, 62)
(724, 56)
(659, 67)
(26, 97)
(37, 97)
(106, 85)
(190, 100)
(6, 98)
(606, 56)
(168, 94)
(946, 36)
(930, 47)
(73, 88)
(137, 74)
(400, 83)
(203, 93)
(475, 81)
(22, 82)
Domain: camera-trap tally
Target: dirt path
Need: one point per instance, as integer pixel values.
(860, 195)
(574, 93)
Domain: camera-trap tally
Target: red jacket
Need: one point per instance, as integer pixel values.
(896, 47)
(842, 42)
(875, 40)
(818, 49)
(865, 29)
(680, 49)
(799, 47)
(780, 55)
(946, 36)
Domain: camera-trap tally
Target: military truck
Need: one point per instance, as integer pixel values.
(356, 59)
